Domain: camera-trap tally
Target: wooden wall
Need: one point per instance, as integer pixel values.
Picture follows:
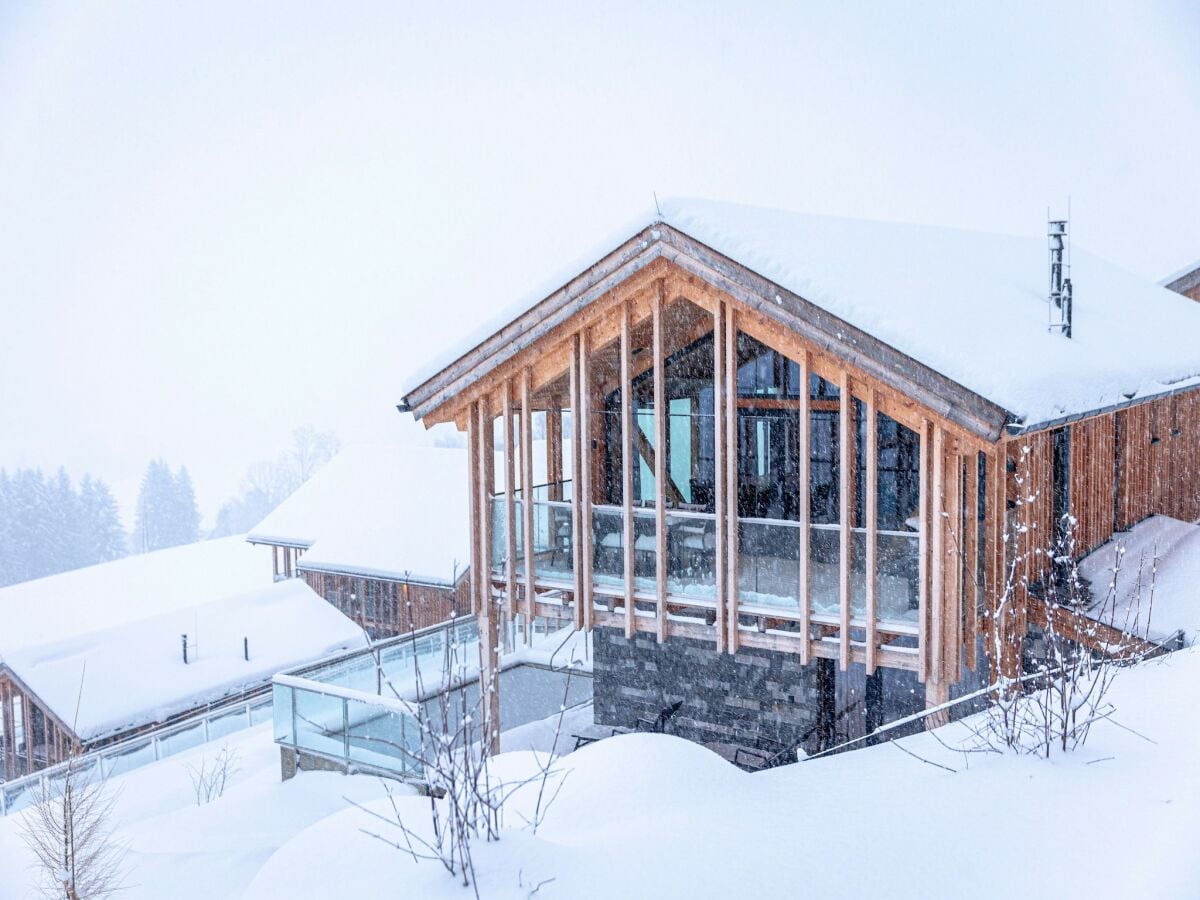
(1093, 481)
(1158, 455)
(40, 741)
(388, 608)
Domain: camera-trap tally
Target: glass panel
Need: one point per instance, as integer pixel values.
(769, 564)
(319, 723)
(691, 555)
(897, 590)
(644, 423)
(823, 563)
(261, 713)
(645, 549)
(227, 723)
(382, 737)
(499, 535)
(556, 541)
(20, 796)
(192, 736)
(608, 566)
(129, 758)
(679, 446)
(858, 573)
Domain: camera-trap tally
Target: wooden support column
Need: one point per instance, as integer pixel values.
(953, 581)
(803, 457)
(923, 548)
(578, 484)
(480, 556)
(971, 558)
(489, 650)
(871, 506)
(719, 558)
(583, 478)
(660, 462)
(8, 764)
(627, 471)
(510, 505)
(554, 455)
(938, 559)
(730, 422)
(528, 510)
(845, 513)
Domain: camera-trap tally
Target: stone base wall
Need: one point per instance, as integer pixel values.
(733, 697)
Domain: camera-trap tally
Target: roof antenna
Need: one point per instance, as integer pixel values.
(657, 208)
(1059, 307)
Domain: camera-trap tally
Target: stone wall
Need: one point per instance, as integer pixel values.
(731, 697)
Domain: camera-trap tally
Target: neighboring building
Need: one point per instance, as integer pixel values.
(813, 450)
(95, 655)
(381, 533)
(1185, 281)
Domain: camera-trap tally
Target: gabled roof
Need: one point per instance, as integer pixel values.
(1184, 280)
(380, 511)
(956, 319)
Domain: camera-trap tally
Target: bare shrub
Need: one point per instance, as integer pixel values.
(212, 775)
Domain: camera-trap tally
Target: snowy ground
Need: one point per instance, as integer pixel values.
(645, 815)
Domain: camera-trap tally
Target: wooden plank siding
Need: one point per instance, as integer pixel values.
(387, 608)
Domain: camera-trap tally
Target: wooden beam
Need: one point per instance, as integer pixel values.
(731, 476)
(719, 451)
(510, 506)
(971, 559)
(646, 451)
(871, 486)
(578, 486)
(661, 477)
(845, 513)
(528, 509)
(627, 472)
(479, 570)
(583, 478)
(554, 455)
(803, 456)
(938, 558)
(923, 548)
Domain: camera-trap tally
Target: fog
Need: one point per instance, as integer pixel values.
(220, 222)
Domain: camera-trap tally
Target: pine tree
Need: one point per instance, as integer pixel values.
(103, 536)
(65, 549)
(186, 520)
(152, 528)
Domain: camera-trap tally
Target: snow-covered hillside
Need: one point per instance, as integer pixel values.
(654, 816)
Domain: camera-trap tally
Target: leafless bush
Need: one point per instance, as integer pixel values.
(211, 776)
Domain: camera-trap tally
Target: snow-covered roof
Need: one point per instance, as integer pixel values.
(1183, 280)
(1190, 269)
(133, 674)
(968, 305)
(123, 620)
(380, 510)
(94, 598)
(1158, 551)
(386, 511)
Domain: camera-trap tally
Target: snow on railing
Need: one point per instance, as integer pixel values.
(152, 746)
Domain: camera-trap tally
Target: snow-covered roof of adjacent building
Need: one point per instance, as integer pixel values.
(108, 636)
(1183, 279)
(968, 305)
(382, 511)
(1152, 594)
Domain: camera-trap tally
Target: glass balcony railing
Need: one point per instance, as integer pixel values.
(769, 563)
(608, 546)
(824, 559)
(554, 540)
(692, 555)
(898, 573)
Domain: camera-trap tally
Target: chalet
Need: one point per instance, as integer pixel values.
(96, 655)
(1186, 281)
(811, 450)
(381, 533)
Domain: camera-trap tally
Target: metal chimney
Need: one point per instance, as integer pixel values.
(1059, 307)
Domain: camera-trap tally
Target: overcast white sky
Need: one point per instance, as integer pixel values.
(222, 221)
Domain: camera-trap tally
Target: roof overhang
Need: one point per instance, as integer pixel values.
(1183, 282)
(659, 241)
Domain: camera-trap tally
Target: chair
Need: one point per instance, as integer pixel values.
(658, 724)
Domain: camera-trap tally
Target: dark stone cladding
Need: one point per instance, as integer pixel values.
(733, 697)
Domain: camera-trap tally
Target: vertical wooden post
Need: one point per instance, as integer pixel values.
(925, 455)
(660, 463)
(733, 637)
(7, 764)
(577, 485)
(971, 562)
(953, 610)
(488, 618)
(627, 470)
(583, 478)
(480, 556)
(554, 456)
(720, 573)
(803, 457)
(938, 558)
(845, 513)
(510, 505)
(528, 508)
(870, 500)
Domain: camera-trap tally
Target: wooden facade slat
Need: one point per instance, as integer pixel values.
(871, 509)
(627, 472)
(584, 478)
(578, 483)
(730, 484)
(719, 452)
(660, 465)
(510, 505)
(528, 507)
(846, 437)
(803, 436)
